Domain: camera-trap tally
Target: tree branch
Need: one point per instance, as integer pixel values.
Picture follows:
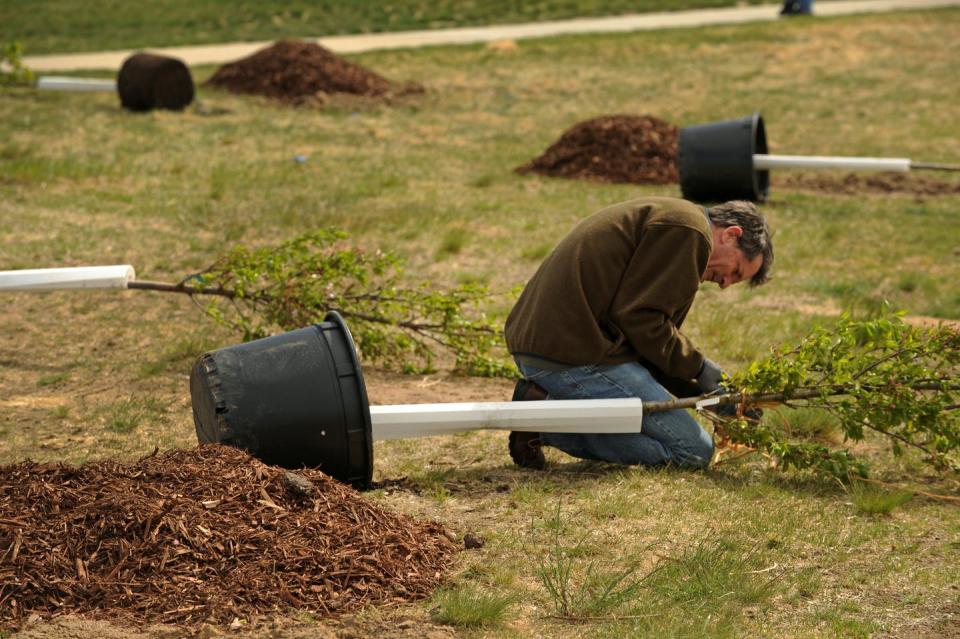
(181, 287)
(779, 398)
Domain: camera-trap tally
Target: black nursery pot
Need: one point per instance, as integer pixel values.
(293, 400)
(147, 81)
(715, 160)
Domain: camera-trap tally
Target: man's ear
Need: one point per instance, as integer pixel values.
(733, 232)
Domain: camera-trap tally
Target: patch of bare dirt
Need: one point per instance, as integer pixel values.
(205, 535)
(30, 401)
(73, 627)
(301, 72)
(944, 624)
(880, 183)
(384, 387)
(830, 309)
(631, 149)
(392, 624)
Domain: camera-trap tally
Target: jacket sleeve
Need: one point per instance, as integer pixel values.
(657, 290)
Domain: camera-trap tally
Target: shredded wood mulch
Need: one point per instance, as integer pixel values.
(294, 71)
(204, 535)
(631, 149)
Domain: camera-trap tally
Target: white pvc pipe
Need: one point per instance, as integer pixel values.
(763, 161)
(555, 416)
(54, 279)
(57, 83)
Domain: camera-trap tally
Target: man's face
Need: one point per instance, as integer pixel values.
(728, 265)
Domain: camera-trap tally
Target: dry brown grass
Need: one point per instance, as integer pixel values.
(83, 182)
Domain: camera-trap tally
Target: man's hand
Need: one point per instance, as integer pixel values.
(708, 379)
(730, 411)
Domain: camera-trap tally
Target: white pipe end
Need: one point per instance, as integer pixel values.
(57, 83)
(55, 279)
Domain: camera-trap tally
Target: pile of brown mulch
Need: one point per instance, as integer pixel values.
(615, 148)
(292, 71)
(883, 183)
(202, 535)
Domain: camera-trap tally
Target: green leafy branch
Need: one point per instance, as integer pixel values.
(879, 375)
(397, 325)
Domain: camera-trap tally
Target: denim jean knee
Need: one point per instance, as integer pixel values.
(669, 437)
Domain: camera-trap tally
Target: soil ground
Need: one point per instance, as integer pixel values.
(919, 184)
(395, 624)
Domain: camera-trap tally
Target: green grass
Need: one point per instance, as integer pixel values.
(703, 588)
(598, 592)
(806, 424)
(53, 380)
(128, 414)
(711, 573)
(180, 354)
(452, 243)
(538, 252)
(92, 374)
(842, 622)
(705, 591)
(871, 500)
(578, 584)
(75, 25)
(470, 606)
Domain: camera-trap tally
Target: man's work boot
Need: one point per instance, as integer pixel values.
(525, 448)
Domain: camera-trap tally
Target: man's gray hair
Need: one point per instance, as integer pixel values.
(757, 239)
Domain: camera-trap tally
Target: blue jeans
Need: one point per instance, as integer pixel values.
(669, 437)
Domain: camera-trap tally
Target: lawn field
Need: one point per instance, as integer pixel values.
(581, 549)
(97, 25)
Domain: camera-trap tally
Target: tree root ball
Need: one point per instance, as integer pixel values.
(147, 81)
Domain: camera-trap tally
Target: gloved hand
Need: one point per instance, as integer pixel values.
(708, 379)
(726, 410)
(730, 411)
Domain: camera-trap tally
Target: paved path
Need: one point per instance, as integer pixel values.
(218, 54)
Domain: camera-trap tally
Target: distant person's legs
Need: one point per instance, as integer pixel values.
(797, 8)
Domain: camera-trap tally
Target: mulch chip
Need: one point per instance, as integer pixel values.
(204, 535)
(295, 72)
(631, 149)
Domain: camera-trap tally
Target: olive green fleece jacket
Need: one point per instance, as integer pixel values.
(617, 289)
